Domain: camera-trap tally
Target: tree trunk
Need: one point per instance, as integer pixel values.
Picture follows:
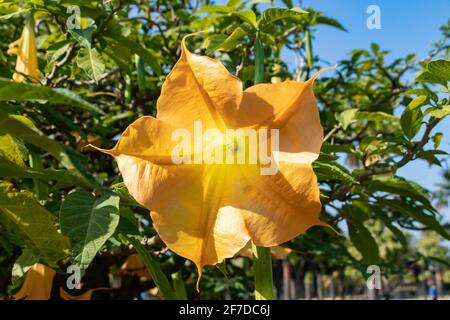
(332, 288)
(286, 279)
(319, 285)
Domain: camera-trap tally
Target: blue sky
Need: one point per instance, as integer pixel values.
(406, 27)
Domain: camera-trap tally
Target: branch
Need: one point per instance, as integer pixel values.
(342, 190)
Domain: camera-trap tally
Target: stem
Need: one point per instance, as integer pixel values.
(262, 269)
(158, 276)
(259, 60)
(309, 51)
(262, 259)
(178, 285)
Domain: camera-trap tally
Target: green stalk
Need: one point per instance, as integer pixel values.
(262, 269)
(259, 60)
(178, 285)
(309, 51)
(262, 259)
(158, 276)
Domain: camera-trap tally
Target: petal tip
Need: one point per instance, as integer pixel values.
(318, 73)
(111, 152)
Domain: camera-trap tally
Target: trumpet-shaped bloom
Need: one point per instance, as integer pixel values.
(26, 52)
(38, 283)
(208, 212)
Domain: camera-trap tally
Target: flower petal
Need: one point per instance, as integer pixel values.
(291, 107)
(199, 88)
(277, 208)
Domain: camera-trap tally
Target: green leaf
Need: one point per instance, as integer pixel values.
(425, 92)
(12, 170)
(140, 70)
(332, 171)
(430, 156)
(437, 138)
(88, 222)
(20, 91)
(154, 269)
(411, 121)
(12, 125)
(124, 194)
(13, 14)
(10, 150)
(57, 50)
(437, 71)
(440, 112)
(248, 16)
(213, 9)
(23, 264)
(347, 117)
(440, 68)
(417, 102)
(330, 22)
(388, 223)
(376, 116)
(363, 241)
(419, 214)
(147, 55)
(91, 62)
(272, 15)
(400, 186)
(36, 223)
(231, 41)
(83, 36)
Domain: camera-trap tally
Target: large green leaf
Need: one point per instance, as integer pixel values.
(21, 91)
(34, 221)
(88, 222)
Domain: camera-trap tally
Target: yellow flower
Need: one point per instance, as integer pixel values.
(38, 283)
(134, 265)
(208, 212)
(26, 52)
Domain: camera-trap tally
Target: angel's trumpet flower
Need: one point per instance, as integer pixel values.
(208, 211)
(26, 52)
